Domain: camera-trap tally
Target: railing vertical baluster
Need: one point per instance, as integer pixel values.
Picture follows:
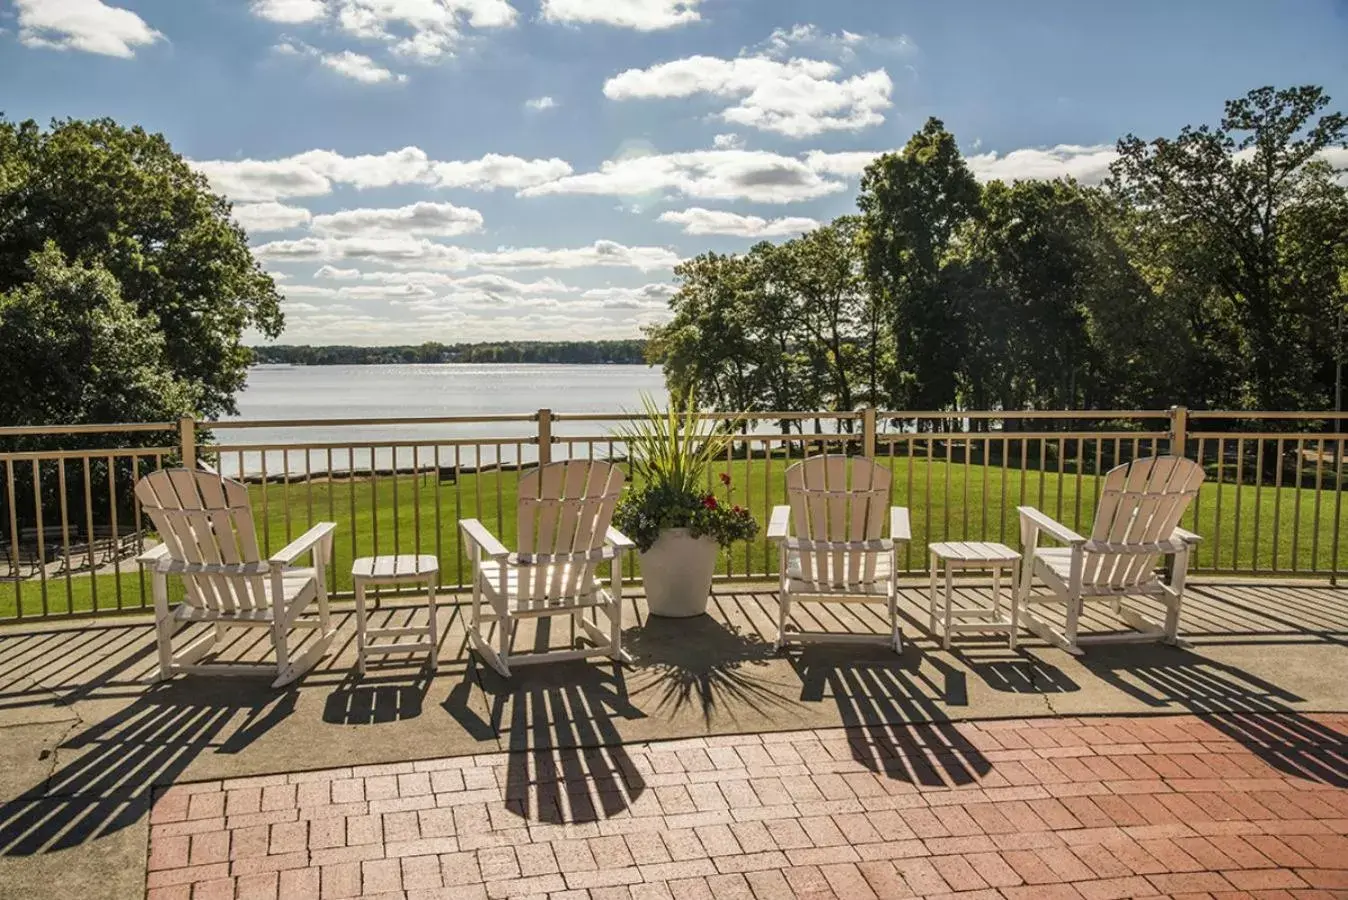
(1217, 520)
(41, 538)
(908, 501)
(1258, 501)
(458, 506)
(1296, 506)
(15, 559)
(436, 487)
(397, 514)
(1319, 487)
(416, 499)
(1003, 512)
(285, 491)
(1338, 503)
(116, 543)
(1277, 500)
(1240, 485)
(266, 508)
(65, 533)
(89, 531)
(331, 489)
(351, 499)
(1081, 464)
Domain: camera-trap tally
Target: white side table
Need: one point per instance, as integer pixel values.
(965, 555)
(396, 570)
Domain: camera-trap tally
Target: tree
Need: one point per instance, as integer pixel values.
(120, 202)
(1228, 207)
(913, 204)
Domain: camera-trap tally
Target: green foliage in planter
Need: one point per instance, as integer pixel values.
(670, 453)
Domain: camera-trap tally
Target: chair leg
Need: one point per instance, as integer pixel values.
(434, 624)
(783, 612)
(896, 633)
(1073, 620)
(931, 597)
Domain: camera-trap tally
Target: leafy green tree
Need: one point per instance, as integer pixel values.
(913, 205)
(1242, 216)
(120, 201)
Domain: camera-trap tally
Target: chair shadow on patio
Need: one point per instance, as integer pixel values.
(377, 698)
(567, 761)
(109, 783)
(893, 707)
(1254, 712)
(704, 661)
(1014, 671)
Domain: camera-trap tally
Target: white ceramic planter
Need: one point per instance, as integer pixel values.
(677, 573)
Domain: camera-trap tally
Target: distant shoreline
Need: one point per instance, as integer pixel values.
(627, 352)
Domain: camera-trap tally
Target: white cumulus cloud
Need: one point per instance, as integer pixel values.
(410, 251)
(358, 67)
(270, 216)
(697, 220)
(641, 15)
(91, 26)
(314, 172)
(422, 219)
(422, 30)
(796, 98)
(496, 171)
(753, 175)
(289, 12)
(541, 103)
(1089, 165)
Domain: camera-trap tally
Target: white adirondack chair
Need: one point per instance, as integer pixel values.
(1136, 523)
(564, 515)
(838, 553)
(206, 525)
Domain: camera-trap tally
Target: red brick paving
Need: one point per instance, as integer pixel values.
(1231, 806)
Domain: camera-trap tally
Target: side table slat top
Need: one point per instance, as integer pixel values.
(394, 568)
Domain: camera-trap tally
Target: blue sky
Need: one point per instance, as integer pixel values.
(478, 169)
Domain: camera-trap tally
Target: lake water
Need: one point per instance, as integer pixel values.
(419, 391)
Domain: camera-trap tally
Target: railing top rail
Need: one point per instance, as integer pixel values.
(226, 424)
(1265, 414)
(758, 416)
(123, 427)
(1026, 414)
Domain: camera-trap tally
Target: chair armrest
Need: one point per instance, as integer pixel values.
(1050, 526)
(617, 540)
(900, 529)
(477, 534)
(303, 544)
(779, 526)
(1179, 534)
(153, 555)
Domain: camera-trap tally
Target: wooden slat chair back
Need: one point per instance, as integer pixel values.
(831, 542)
(839, 502)
(1137, 521)
(209, 540)
(205, 519)
(564, 512)
(1140, 504)
(564, 518)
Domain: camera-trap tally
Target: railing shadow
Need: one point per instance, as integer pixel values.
(890, 703)
(1246, 708)
(567, 761)
(703, 661)
(150, 742)
(373, 700)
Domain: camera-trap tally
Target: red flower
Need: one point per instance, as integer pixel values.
(738, 510)
(709, 501)
(725, 479)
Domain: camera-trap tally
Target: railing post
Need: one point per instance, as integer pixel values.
(187, 436)
(1179, 431)
(544, 436)
(868, 432)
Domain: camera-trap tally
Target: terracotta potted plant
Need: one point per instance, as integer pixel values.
(678, 524)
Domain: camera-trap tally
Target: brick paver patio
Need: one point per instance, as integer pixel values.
(1094, 808)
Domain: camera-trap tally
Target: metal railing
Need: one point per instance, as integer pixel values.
(70, 527)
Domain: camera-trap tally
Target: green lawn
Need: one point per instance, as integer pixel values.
(1244, 529)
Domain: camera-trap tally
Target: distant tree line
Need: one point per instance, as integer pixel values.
(575, 352)
(1211, 269)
